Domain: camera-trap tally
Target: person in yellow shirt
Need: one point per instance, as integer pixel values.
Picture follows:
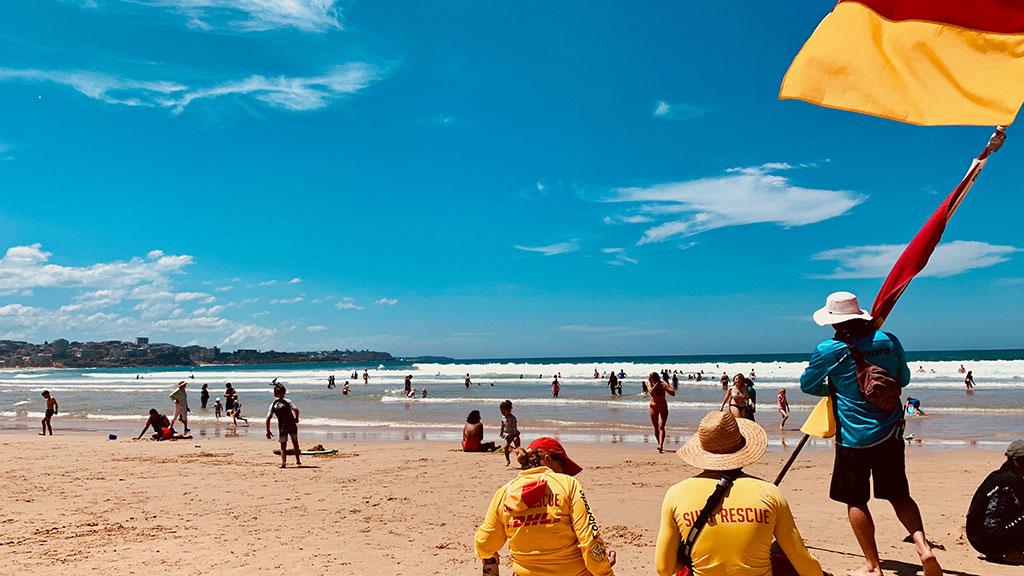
(546, 519)
(737, 538)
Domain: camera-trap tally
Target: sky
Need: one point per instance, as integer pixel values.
(469, 179)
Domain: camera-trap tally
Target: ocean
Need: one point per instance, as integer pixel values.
(103, 400)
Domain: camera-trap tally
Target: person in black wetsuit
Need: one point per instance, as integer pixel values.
(995, 519)
(204, 396)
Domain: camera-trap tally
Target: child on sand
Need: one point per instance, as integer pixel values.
(287, 423)
(51, 409)
(509, 429)
(783, 407)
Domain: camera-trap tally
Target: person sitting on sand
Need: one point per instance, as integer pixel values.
(756, 511)
(287, 424)
(161, 426)
(995, 519)
(473, 435)
(544, 516)
(51, 410)
(509, 428)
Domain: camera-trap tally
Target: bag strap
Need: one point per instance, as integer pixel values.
(686, 546)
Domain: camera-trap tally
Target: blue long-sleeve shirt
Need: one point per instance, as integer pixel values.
(861, 424)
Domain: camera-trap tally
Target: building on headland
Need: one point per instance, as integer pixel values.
(141, 341)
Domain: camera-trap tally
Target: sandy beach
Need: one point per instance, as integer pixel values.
(83, 504)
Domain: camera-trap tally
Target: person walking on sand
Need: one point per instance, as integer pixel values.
(868, 440)
(204, 396)
(544, 516)
(51, 410)
(287, 424)
(180, 398)
(658, 408)
(752, 510)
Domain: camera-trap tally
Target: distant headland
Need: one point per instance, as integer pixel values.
(140, 353)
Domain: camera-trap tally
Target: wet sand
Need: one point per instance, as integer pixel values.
(82, 504)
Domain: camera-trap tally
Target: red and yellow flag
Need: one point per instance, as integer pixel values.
(929, 62)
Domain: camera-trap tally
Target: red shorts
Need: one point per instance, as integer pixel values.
(166, 433)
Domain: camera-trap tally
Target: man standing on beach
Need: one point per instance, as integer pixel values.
(180, 398)
(869, 441)
(51, 409)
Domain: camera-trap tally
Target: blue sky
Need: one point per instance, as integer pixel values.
(473, 179)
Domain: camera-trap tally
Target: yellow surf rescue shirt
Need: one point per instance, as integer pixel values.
(737, 539)
(555, 536)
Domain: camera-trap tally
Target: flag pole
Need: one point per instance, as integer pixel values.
(886, 299)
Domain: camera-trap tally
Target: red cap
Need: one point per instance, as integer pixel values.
(552, 446)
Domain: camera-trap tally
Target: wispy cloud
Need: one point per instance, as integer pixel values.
(740, 196)
(285, 92)
(552, 249)
(295, 280)
(442, 120)
(616, 330)
(949, 259)
(315, 328)
(347, 303)
(268, 283)
(5, 151)
(223, 288)
(386, 302)
(295, 300)
(620, 257)
(677, 111)
(246, 15)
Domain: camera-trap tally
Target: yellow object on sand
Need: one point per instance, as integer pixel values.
(822, 421)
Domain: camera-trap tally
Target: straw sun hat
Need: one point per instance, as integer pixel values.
(724, 443)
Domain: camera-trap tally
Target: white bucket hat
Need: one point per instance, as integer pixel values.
(840, 307)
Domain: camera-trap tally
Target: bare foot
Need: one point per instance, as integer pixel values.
(866, 571)
(930, 564)
(283, 466)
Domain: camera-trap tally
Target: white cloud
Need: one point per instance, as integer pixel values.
(553, 249)
(316, 328)
(268, 283)
(250, 15)
(347, 304)
(678, 111)
(26, 267)
(295, 300)
(5, 151)
(386, 302)
(949, 259)
(741, 196)
(223, 288)
(616, 330)
(295, 280)
(257, 336)
(613, 250)
(286, 92)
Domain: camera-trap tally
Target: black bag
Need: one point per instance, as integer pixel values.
(876, 383)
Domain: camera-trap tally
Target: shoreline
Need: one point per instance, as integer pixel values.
(203, 429)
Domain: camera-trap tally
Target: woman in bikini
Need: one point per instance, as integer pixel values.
(659, 406)
(736, 397)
